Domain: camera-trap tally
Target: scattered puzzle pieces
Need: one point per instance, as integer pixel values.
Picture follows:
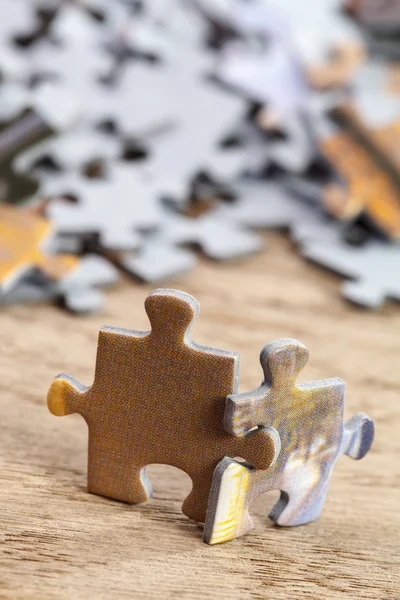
(77, 291)
(158, 398)
(309, 419)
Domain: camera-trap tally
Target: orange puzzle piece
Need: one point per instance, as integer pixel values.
(23, 235)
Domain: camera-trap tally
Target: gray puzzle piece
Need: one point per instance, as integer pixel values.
(115, 208)
(157, 260)
(204, 114)
(264, 205)
(373, 269)
(78, 290)
(220, 237)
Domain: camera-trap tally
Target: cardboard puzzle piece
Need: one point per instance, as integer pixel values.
(150, 390)
(309, 419)
(272, 76)
(157, 260)
(77, 291)
(115, 208)
(372, 269)
(371, 177)
(23, 238)
(218, 236)
(264, 204)
(204, 114)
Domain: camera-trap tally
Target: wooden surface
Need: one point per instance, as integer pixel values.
(57, 541)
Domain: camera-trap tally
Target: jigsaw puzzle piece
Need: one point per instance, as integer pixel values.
(114, 208)
(272, 77)
(22, 240)
(372, 268)
(157, 260)
(74, 25)
(150, 389)
(309, 420)
(219, 236)
(204, 114)
(76, 290)
(264, 204)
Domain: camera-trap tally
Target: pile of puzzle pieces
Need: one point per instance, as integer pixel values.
(158, 397)
(133, 134)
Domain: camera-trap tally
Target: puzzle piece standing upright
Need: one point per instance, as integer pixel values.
(309, 419)
(158, 398)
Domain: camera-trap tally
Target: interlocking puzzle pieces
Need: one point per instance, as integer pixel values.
(309, 419)
(158, 397)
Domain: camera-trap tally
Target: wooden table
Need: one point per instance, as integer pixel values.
(57, 541)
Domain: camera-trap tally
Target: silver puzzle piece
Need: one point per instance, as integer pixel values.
(373, 268)
(78, 290)
(219, 237)
(157, 261)
(264, 204)
(115, 208)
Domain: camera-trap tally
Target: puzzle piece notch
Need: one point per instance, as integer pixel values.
(309, 420)
(150, 390)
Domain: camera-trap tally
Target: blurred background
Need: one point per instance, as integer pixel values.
(139, 137)
(246, 152)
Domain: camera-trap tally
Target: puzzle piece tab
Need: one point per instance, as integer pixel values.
(157, 397)
(309, 419)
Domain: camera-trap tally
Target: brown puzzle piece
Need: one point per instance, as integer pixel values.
(159, 398)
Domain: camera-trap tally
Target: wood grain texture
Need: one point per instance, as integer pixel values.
(59, 542)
